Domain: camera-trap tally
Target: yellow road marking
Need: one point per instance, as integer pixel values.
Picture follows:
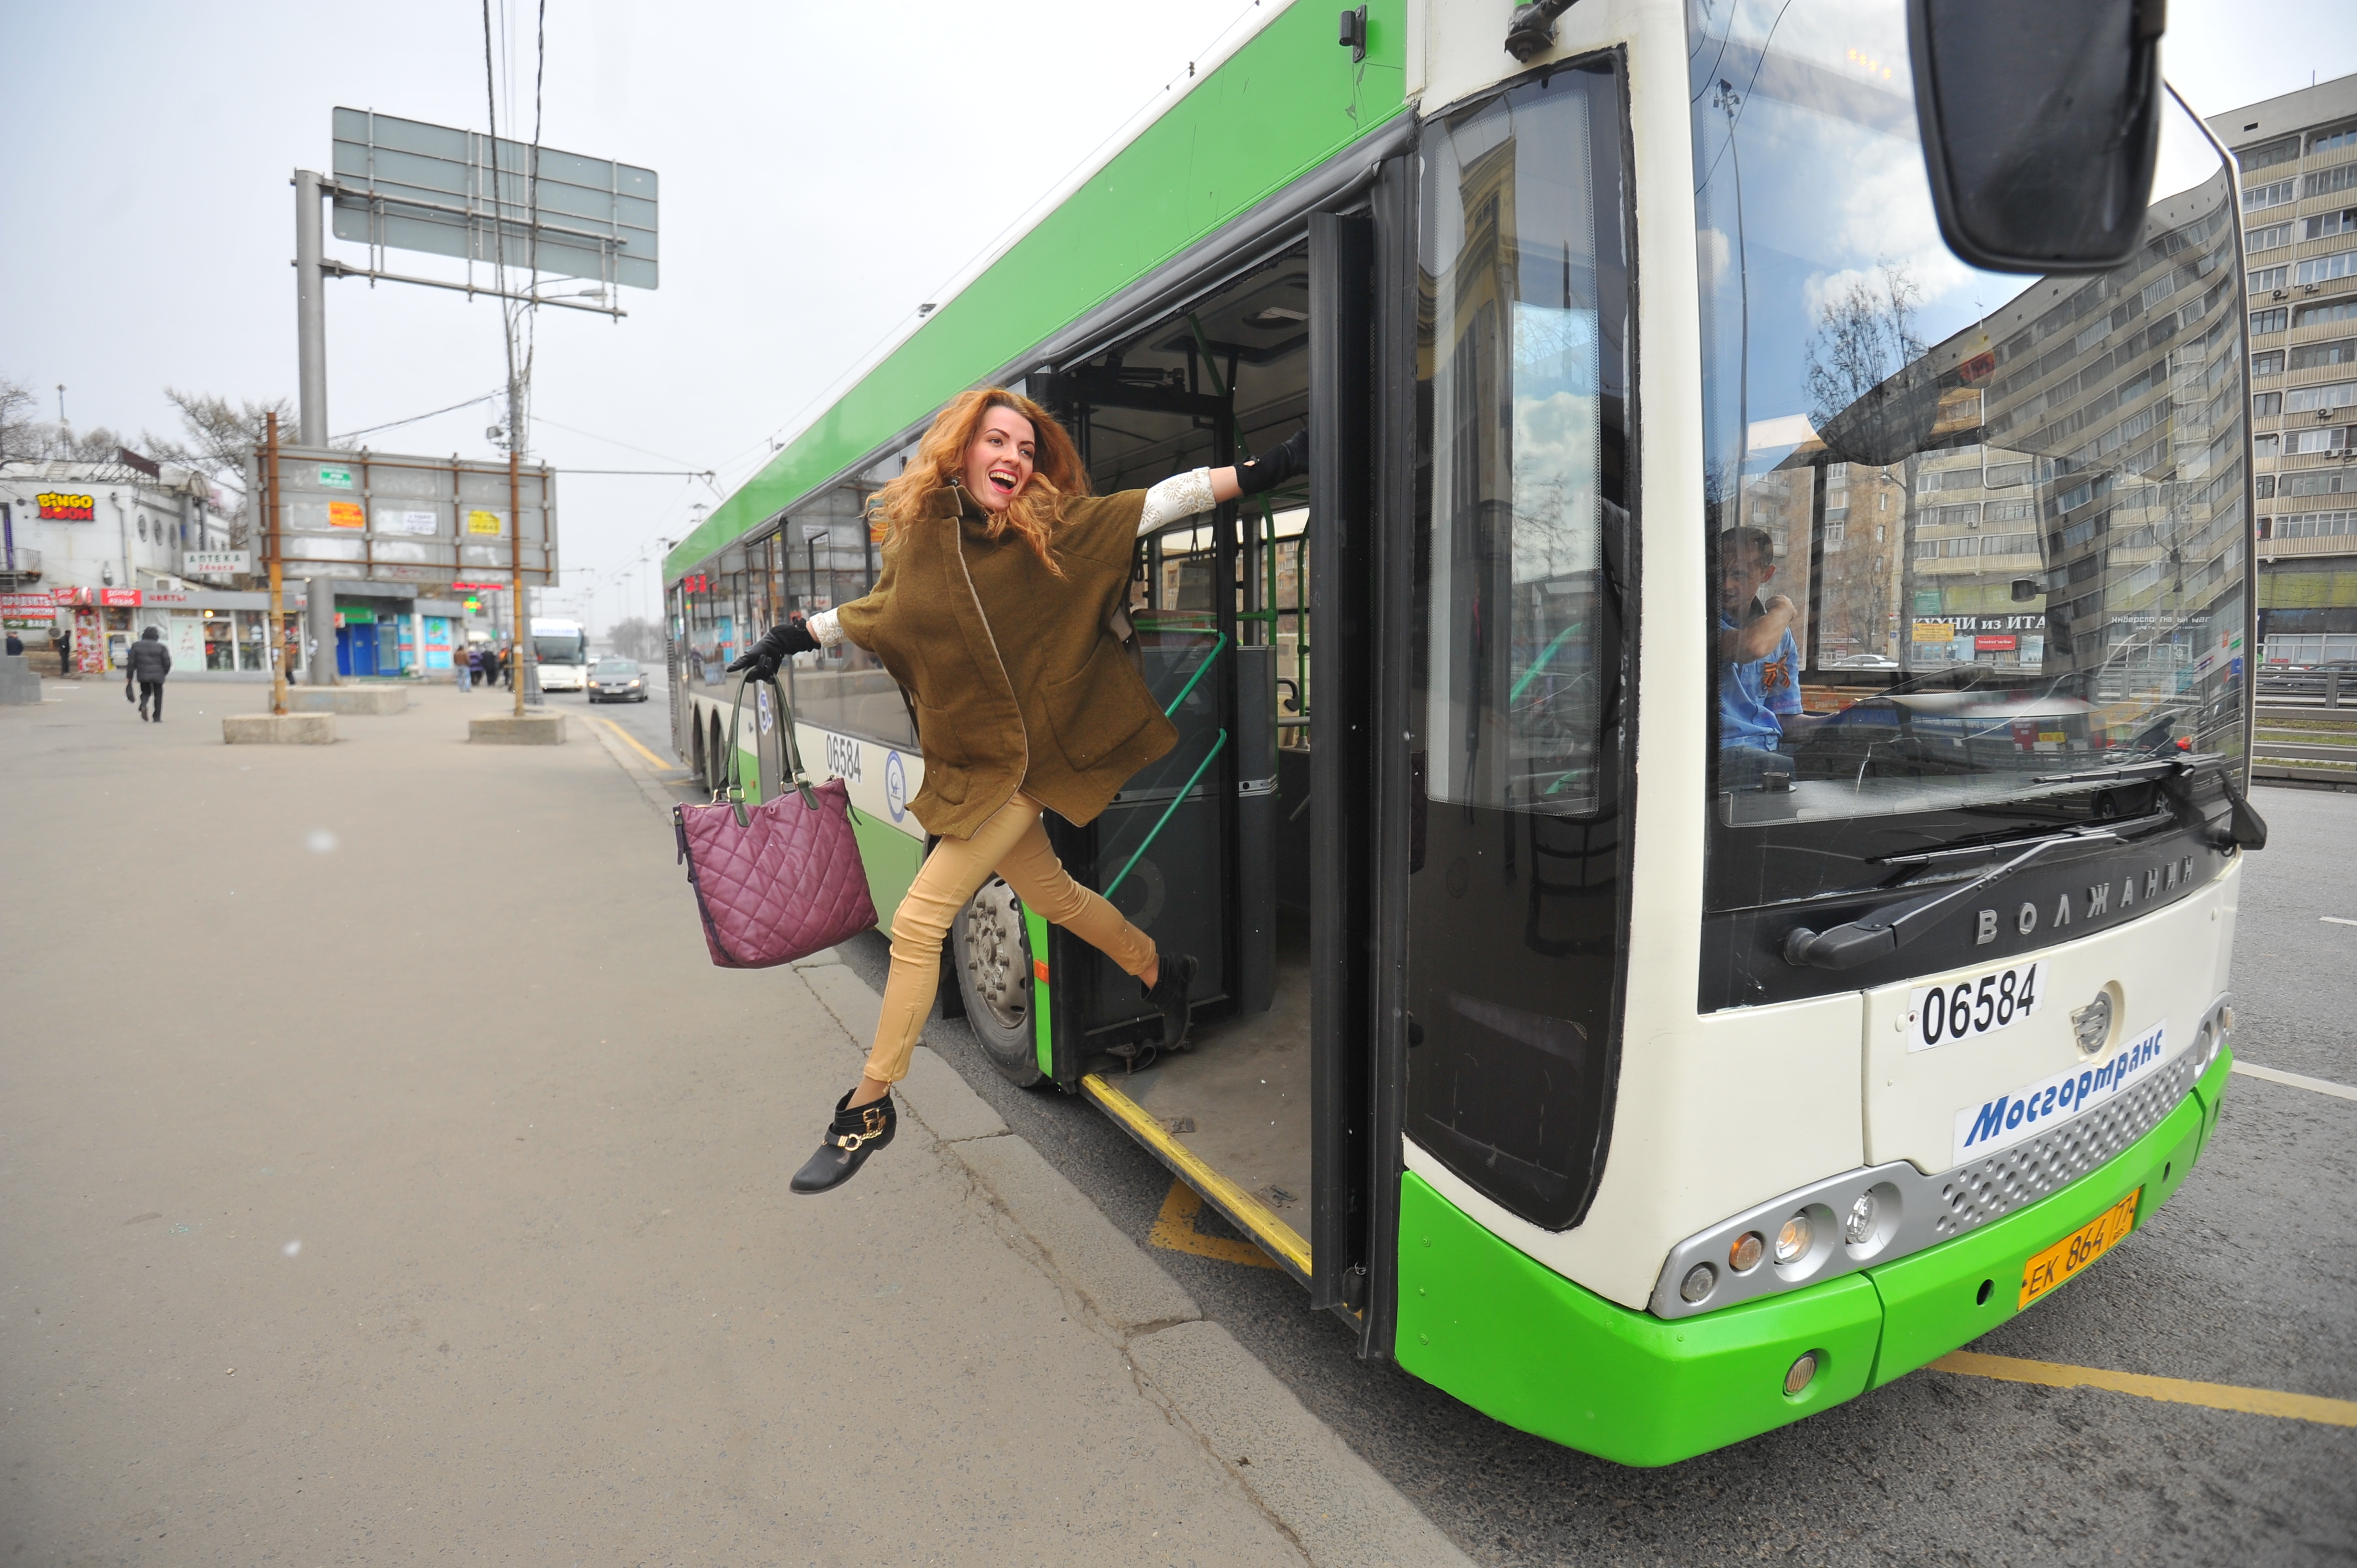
(1249, 1211)
(1174, 1231)
(2175, 1390)
(631, 741)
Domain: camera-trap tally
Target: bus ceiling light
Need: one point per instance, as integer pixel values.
(1792, 1241)
(1697, 1282)
(1744, 1255)
(2092, 1024)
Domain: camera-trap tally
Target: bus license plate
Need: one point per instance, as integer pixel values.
(1942, 1014)
(2078, 1249)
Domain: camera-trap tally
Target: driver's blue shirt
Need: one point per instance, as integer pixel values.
(1752, 695)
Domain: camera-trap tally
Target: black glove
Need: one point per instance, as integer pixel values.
(1271, 469)
(777, 645)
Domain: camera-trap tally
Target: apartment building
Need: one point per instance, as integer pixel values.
(2299, 158)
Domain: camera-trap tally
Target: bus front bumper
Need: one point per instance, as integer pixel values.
(1527, 1346)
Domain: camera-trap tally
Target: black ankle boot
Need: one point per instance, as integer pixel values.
(1169, 993)
(853, 1134)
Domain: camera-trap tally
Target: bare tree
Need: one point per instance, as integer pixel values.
(26, 439)
(1865, 336)
(637, 638)
(216, 433)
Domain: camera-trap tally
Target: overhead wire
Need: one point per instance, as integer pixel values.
(415, 418)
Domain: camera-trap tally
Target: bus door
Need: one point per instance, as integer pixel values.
(1167, 851)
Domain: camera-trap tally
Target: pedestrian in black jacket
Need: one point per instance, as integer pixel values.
(150, 662)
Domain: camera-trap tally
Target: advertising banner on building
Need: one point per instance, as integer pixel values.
(27, 612)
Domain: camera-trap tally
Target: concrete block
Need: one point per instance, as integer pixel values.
(1333, 1501)
(18, 682)
(945, 1102)
(278, 729)
(1083, 1249)
(506, 729)
(347, 700)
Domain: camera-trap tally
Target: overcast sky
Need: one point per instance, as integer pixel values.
(823, 168)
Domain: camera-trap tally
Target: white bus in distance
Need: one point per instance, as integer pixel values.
(561, 649)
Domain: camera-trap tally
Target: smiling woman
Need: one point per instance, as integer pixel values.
(996, 613)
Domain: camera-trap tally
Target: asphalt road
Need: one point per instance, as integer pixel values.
(2246, 1277)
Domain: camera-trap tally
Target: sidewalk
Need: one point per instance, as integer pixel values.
(394, 1173)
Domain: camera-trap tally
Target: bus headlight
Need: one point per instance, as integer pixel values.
(1857, 1228)
(1697, 1282)
(1744, 1255)
(1792, 1241)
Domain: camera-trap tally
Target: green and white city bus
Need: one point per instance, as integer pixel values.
(1647, 1036)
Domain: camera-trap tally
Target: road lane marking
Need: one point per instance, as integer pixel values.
(631, 741)
(2337, 921)
(2275, 1075)
(2173, 1391)
(1174, 1231)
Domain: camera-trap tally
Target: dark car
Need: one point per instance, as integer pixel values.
(617, 681)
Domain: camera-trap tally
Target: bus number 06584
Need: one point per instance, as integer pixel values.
(842, 758)
(1942, 1014)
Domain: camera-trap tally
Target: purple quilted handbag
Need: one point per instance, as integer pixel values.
(779, 880)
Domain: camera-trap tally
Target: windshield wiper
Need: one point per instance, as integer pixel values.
(2244, 829)
(2083, 830)
(1892, 927)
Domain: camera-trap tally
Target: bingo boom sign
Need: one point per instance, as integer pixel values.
(64, 507)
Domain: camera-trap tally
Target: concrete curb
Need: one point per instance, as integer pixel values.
(1332, 1503)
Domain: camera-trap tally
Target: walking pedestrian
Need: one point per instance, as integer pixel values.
(62, 641)
(16, 643)
(148, 661)
(1000, 571)
(460, 670)
(476, 663)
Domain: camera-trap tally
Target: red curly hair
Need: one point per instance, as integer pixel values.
(1036, 509)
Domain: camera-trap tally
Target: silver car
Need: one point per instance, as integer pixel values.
(617, 681)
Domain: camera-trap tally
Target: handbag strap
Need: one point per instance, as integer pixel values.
(733, 790)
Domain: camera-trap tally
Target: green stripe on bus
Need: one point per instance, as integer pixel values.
(1283, 105)
(1517, 1341)
(1035, 927)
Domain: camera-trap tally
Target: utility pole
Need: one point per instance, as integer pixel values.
(311, 418)
(517, 668)
(276, 635)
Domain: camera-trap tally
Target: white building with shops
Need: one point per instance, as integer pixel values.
(93, 554)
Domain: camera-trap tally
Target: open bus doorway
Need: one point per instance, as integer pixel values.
(1207, 849)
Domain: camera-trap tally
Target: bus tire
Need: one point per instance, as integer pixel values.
(694, 746)
(992, 948)
(715, 765)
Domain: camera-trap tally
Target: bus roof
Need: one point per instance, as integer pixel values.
(1285, 102)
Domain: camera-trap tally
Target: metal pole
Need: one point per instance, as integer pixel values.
(310, 313)
(515, 559)
(275, 637)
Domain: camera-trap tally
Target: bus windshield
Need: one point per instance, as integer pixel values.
(560, 647)
(1972, 534)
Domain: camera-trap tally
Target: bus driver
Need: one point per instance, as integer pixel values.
(999, 571)
(1759, 664)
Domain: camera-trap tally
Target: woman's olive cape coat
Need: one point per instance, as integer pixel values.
(1017, 683)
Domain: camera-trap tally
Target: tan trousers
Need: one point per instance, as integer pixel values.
(1013, 844)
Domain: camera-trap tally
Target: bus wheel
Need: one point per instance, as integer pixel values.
(994, 969)
(696, 747)
(716, 765)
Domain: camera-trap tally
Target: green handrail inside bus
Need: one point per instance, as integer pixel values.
(1184, 791)
(1218, 646)
(1540, 663)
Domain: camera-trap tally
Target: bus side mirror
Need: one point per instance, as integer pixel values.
(2040, 125)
